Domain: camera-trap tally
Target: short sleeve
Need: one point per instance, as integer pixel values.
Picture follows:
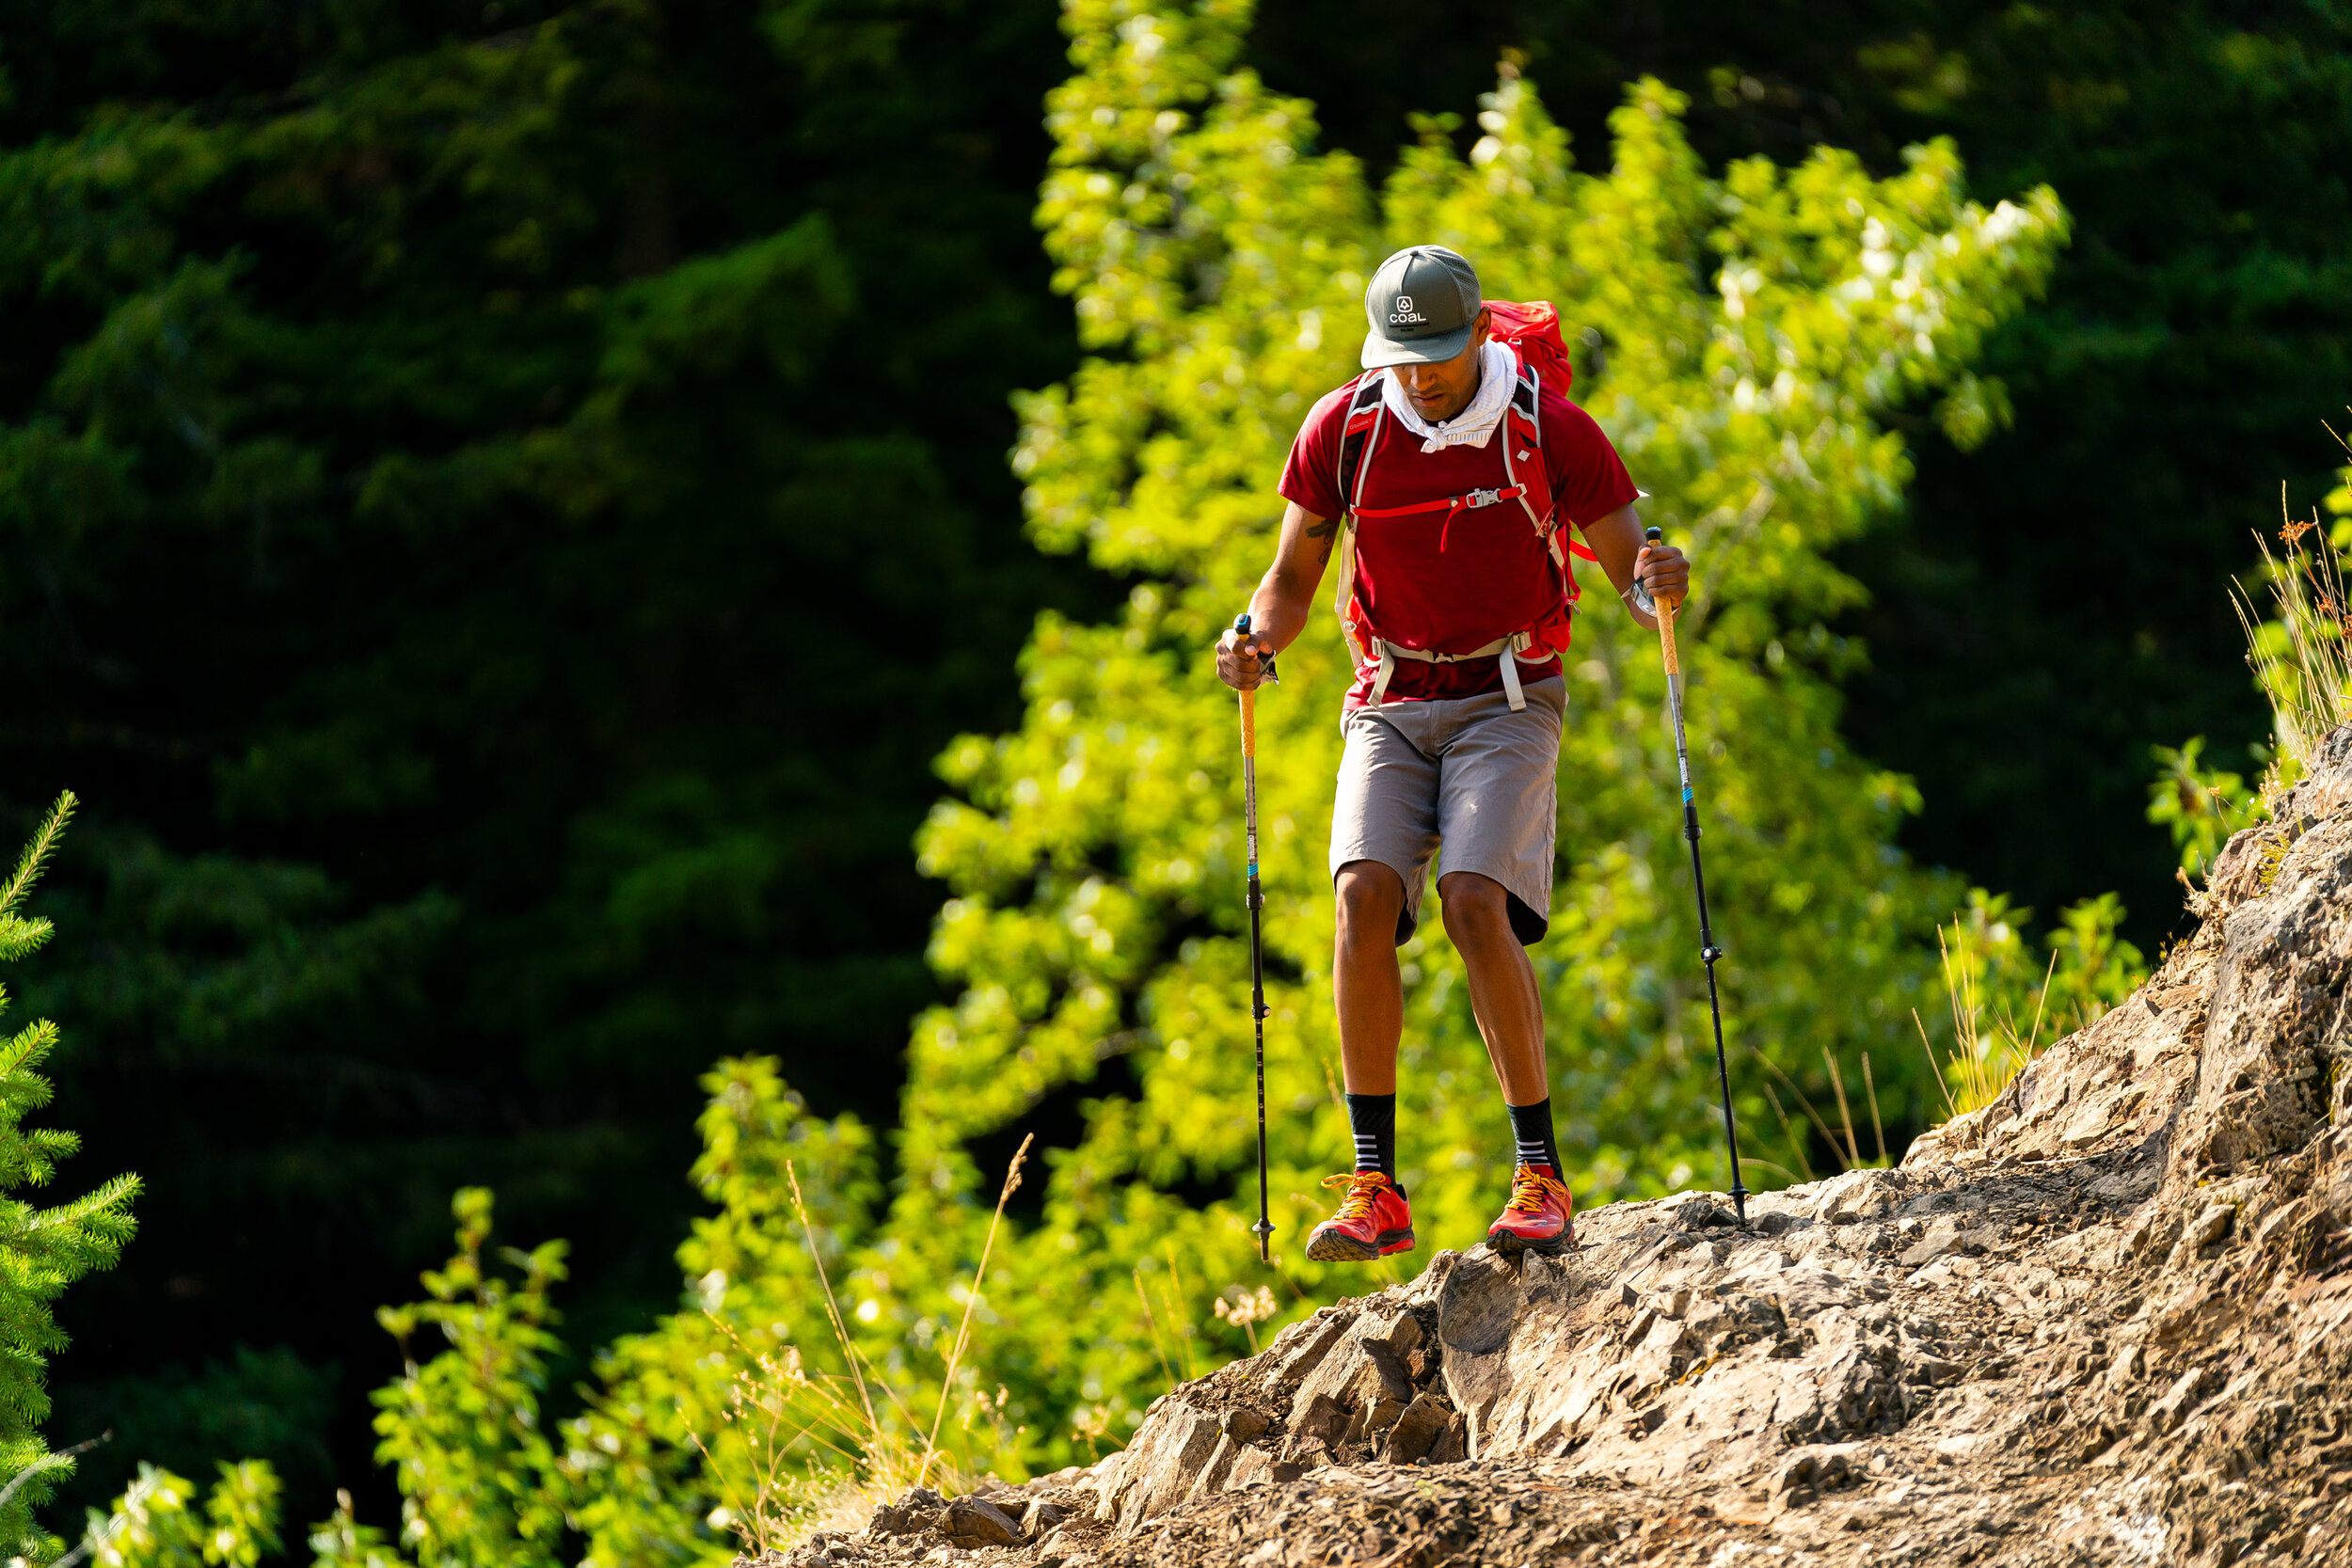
(1310, 477)
(1588, 479)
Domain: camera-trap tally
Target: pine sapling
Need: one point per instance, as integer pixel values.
(42, 1250)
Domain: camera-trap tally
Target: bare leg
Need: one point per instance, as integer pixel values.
(1503, 998)
(1365, 986)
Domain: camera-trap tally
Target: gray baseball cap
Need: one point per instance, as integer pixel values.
(1422, 304)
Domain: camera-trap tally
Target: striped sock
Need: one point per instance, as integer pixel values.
(1374, 1118)
(1531, 1129)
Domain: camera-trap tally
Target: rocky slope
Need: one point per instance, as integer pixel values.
(2107, 1320)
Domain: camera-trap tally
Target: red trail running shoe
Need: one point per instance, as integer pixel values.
(1372, 1222)
(1540, 1217)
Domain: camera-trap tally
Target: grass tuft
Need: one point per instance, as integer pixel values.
(819, 1450)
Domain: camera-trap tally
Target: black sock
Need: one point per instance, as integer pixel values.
(1373, 1117)
(1531, 1126)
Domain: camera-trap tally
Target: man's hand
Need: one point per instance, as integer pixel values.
(1665, 571)
(1660, 571)
(1241, 661)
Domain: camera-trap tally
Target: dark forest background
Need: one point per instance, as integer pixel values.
(501, 503)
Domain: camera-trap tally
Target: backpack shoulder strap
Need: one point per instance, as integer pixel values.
(1523, 397)
(1525, 465)
(1363, 412)
(1535, 478)
(1364, 406)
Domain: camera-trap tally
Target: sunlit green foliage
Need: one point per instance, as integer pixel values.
(461, 1427)
(2095, 968)
(2008, 1002)
(642, 1476)
(2299, 642)
(156, 1523)
(343, 1541)
(2203, 806)
(655, 1453)
(2300, 649)
(480, 1480)
(42, 1250)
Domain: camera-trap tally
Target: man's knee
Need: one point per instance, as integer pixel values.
(1370, 896)
(1477, 909)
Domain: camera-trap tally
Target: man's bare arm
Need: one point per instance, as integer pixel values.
(1663, 569)
(1284, 599)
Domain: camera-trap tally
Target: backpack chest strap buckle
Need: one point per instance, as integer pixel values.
(1481, 498)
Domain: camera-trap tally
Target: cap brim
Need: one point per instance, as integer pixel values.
(1380, 351)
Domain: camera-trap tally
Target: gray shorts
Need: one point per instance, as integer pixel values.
(1467, 772)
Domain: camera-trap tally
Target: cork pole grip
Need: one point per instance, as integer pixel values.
(1250, 723)
(1665, 617)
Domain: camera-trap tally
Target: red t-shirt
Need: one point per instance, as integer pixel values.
(1449, 586)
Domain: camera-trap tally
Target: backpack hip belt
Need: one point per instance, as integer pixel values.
(1508, 649)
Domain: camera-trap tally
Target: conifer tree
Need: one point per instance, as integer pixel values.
(42, 1250)
(522, 388)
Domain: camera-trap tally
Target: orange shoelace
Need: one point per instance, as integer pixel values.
(1529, 1188)
(1363, 1186)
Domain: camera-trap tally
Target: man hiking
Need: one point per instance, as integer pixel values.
(1447, 476)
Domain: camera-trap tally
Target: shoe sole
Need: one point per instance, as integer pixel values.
(1510, 1244)
(1337, 1246)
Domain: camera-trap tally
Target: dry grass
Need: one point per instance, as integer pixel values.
(818, 1451)
(2302, 659)
(1989, 1048)
(1245, 1309)
(1844, 1143)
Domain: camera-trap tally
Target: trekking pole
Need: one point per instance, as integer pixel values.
(1708, 952)
(1264, 1228)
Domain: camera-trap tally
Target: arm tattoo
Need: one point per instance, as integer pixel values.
(1324, 531)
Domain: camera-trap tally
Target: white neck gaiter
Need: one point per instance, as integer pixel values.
(1498, 370)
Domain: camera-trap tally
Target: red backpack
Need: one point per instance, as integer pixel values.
(1531, 332)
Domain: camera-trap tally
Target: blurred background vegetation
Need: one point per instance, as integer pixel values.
(503, 504)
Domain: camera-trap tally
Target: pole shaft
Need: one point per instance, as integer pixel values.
(1257, 1001)
(1708, 952)
(1264, 1228)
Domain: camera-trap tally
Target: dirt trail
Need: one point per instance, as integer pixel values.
(2107, 1320)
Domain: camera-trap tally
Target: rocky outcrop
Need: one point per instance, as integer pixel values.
(2107, 1319)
